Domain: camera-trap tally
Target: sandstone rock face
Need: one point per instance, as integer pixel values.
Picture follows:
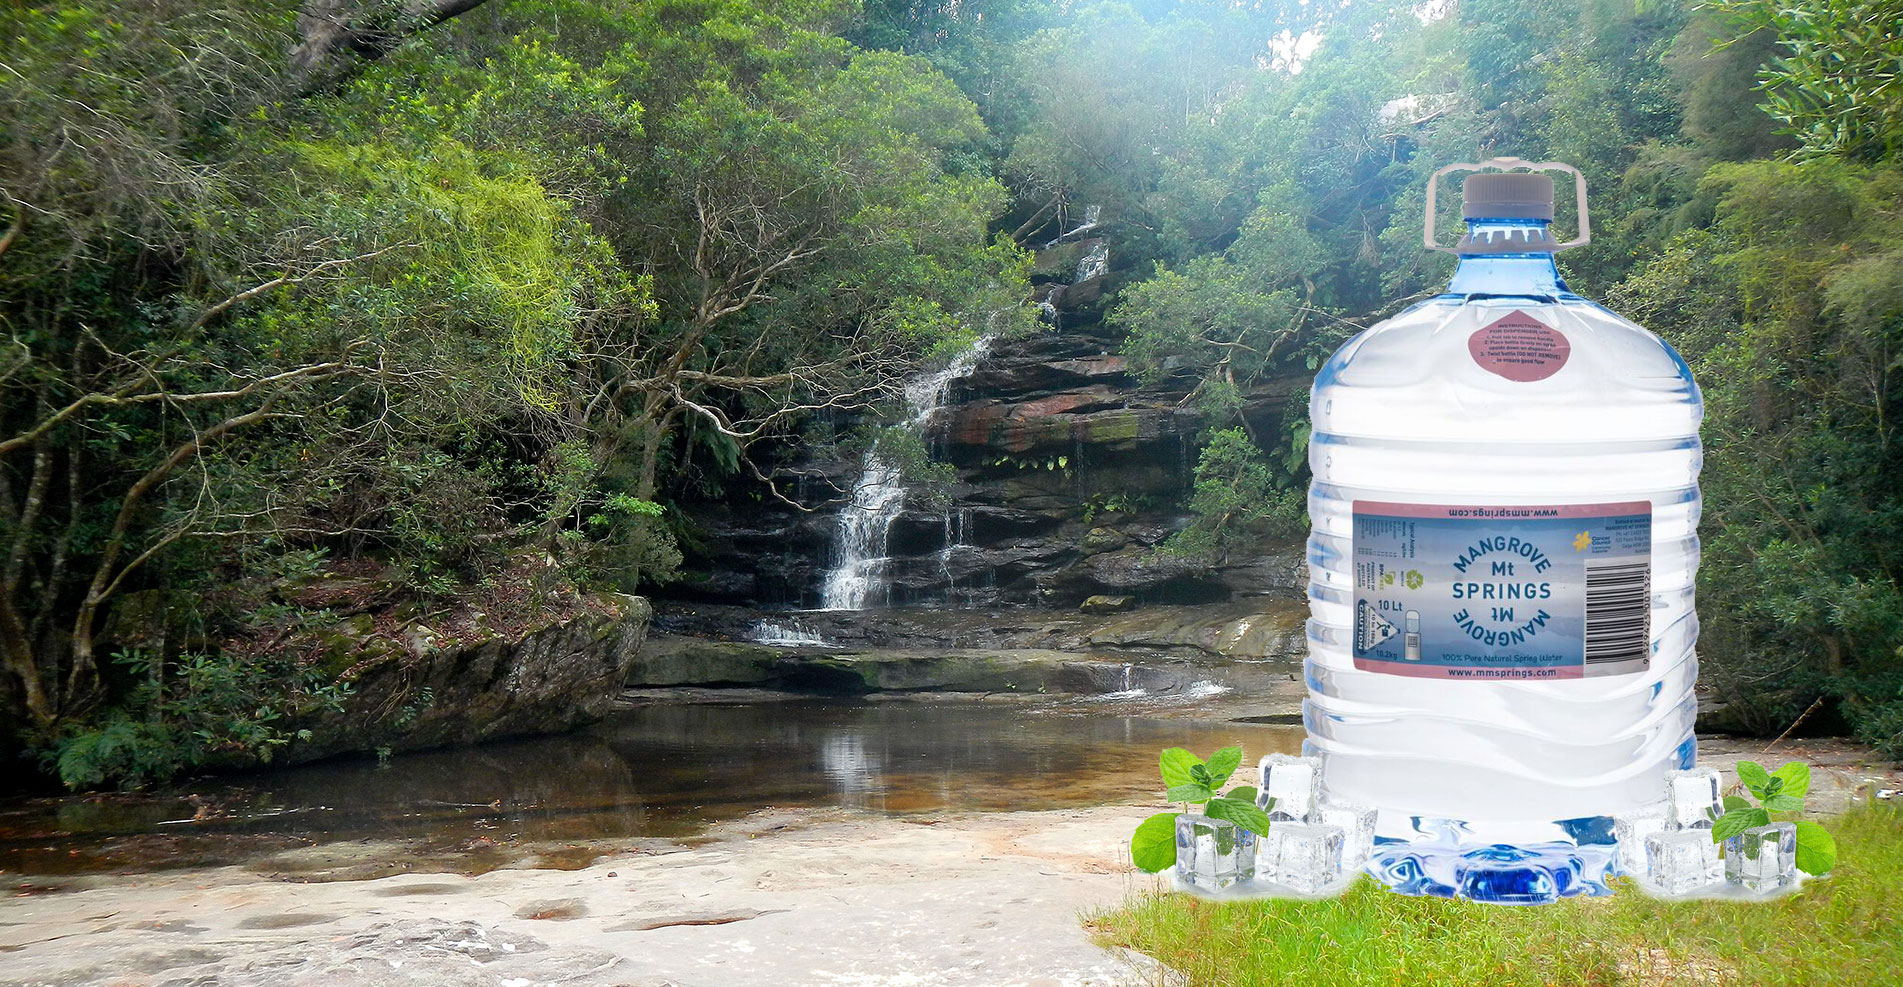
(409, 694)
(1071, 470)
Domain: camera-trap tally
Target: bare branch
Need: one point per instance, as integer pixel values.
(124, 396)
(283, 280)
(13, 231)
(336, 37)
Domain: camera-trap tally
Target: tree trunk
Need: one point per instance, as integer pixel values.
(336, 37)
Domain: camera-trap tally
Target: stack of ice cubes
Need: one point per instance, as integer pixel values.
(1315, 840)
(1668, 846)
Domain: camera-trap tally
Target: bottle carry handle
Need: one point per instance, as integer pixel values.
(1510, 164)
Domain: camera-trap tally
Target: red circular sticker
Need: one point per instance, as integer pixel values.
(1520, 348)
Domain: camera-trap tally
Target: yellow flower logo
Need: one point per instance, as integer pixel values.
(1582, 540)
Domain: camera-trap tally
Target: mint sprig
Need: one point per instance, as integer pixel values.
(1779, 793)
(1192, 781)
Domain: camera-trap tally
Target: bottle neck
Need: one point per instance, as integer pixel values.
(1515, 270)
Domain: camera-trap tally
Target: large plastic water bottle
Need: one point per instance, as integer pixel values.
(1505, 505)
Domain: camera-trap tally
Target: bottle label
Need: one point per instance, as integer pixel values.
(1520, 348)
(1475, 591)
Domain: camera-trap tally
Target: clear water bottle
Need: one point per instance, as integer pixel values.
(1505, 509)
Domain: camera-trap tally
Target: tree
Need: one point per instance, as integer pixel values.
(1834, 82)
(485, 289)
(1788, 310)
(301, 295)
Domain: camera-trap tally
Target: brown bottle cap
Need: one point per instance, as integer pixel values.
(1507, 195)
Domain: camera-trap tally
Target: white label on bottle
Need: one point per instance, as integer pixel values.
(1516, 591)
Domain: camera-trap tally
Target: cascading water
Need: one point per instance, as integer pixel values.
(859, 551)
(1094, 263)
(784, 634)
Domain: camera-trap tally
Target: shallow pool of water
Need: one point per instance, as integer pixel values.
(663, 770)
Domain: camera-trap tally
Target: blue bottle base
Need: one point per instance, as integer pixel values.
(1499, 873)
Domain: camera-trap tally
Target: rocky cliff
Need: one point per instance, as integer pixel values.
(1071, 469)
(413, 689)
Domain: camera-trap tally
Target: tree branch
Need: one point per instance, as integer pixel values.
(337, 37)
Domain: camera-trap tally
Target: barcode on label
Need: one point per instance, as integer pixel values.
(1618, 611)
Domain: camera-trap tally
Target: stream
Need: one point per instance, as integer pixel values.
(663, 771)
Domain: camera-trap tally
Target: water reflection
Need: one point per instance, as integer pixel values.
(655, 771)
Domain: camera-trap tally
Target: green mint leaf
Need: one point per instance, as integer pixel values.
(1796, 778)
(1153, 848)
(1784, 803)
(1816, 849)
(1734, 822)
(1222, 764)
(1775, 787)
(1175, 764)
(1736, 802)
(1754, 777)
(1199, 773)
(1244, 793)
(1191, 792)
(1243, 814)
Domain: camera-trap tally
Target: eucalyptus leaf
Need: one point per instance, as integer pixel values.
(1153, 848)
(1784, 803)
(1243, 814)
(1222, 764)
(1191, 792)
(1754, 777)
(1816, 849)
(1175, 764)
(1796, 777)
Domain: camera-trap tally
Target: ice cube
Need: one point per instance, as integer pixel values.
(1631, 829)
(1213, 854)
(1301, 857)
(1688, 796)
(1356, 822)
(1763, 859)
(1295, 785)
(1682, 861)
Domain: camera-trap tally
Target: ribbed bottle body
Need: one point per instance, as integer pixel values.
(1431, 420)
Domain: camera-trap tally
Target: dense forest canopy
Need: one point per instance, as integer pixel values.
(459, 285)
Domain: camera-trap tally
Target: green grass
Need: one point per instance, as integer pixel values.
(1842, 930)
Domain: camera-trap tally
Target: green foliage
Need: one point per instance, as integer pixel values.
(1153, 847)
(1786, 307)
(191, 711)
(1191, 780)
(1239, 496)
(1781, 794)
(1834, 79)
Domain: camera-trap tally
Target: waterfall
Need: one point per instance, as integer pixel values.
(784, 634)
(1094, 263)
(859, 552)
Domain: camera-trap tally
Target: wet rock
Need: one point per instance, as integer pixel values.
(1261, 628)
(1108, 604)
(1103, 540)
(670, 660)
(1068, 463)
(545, 679)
